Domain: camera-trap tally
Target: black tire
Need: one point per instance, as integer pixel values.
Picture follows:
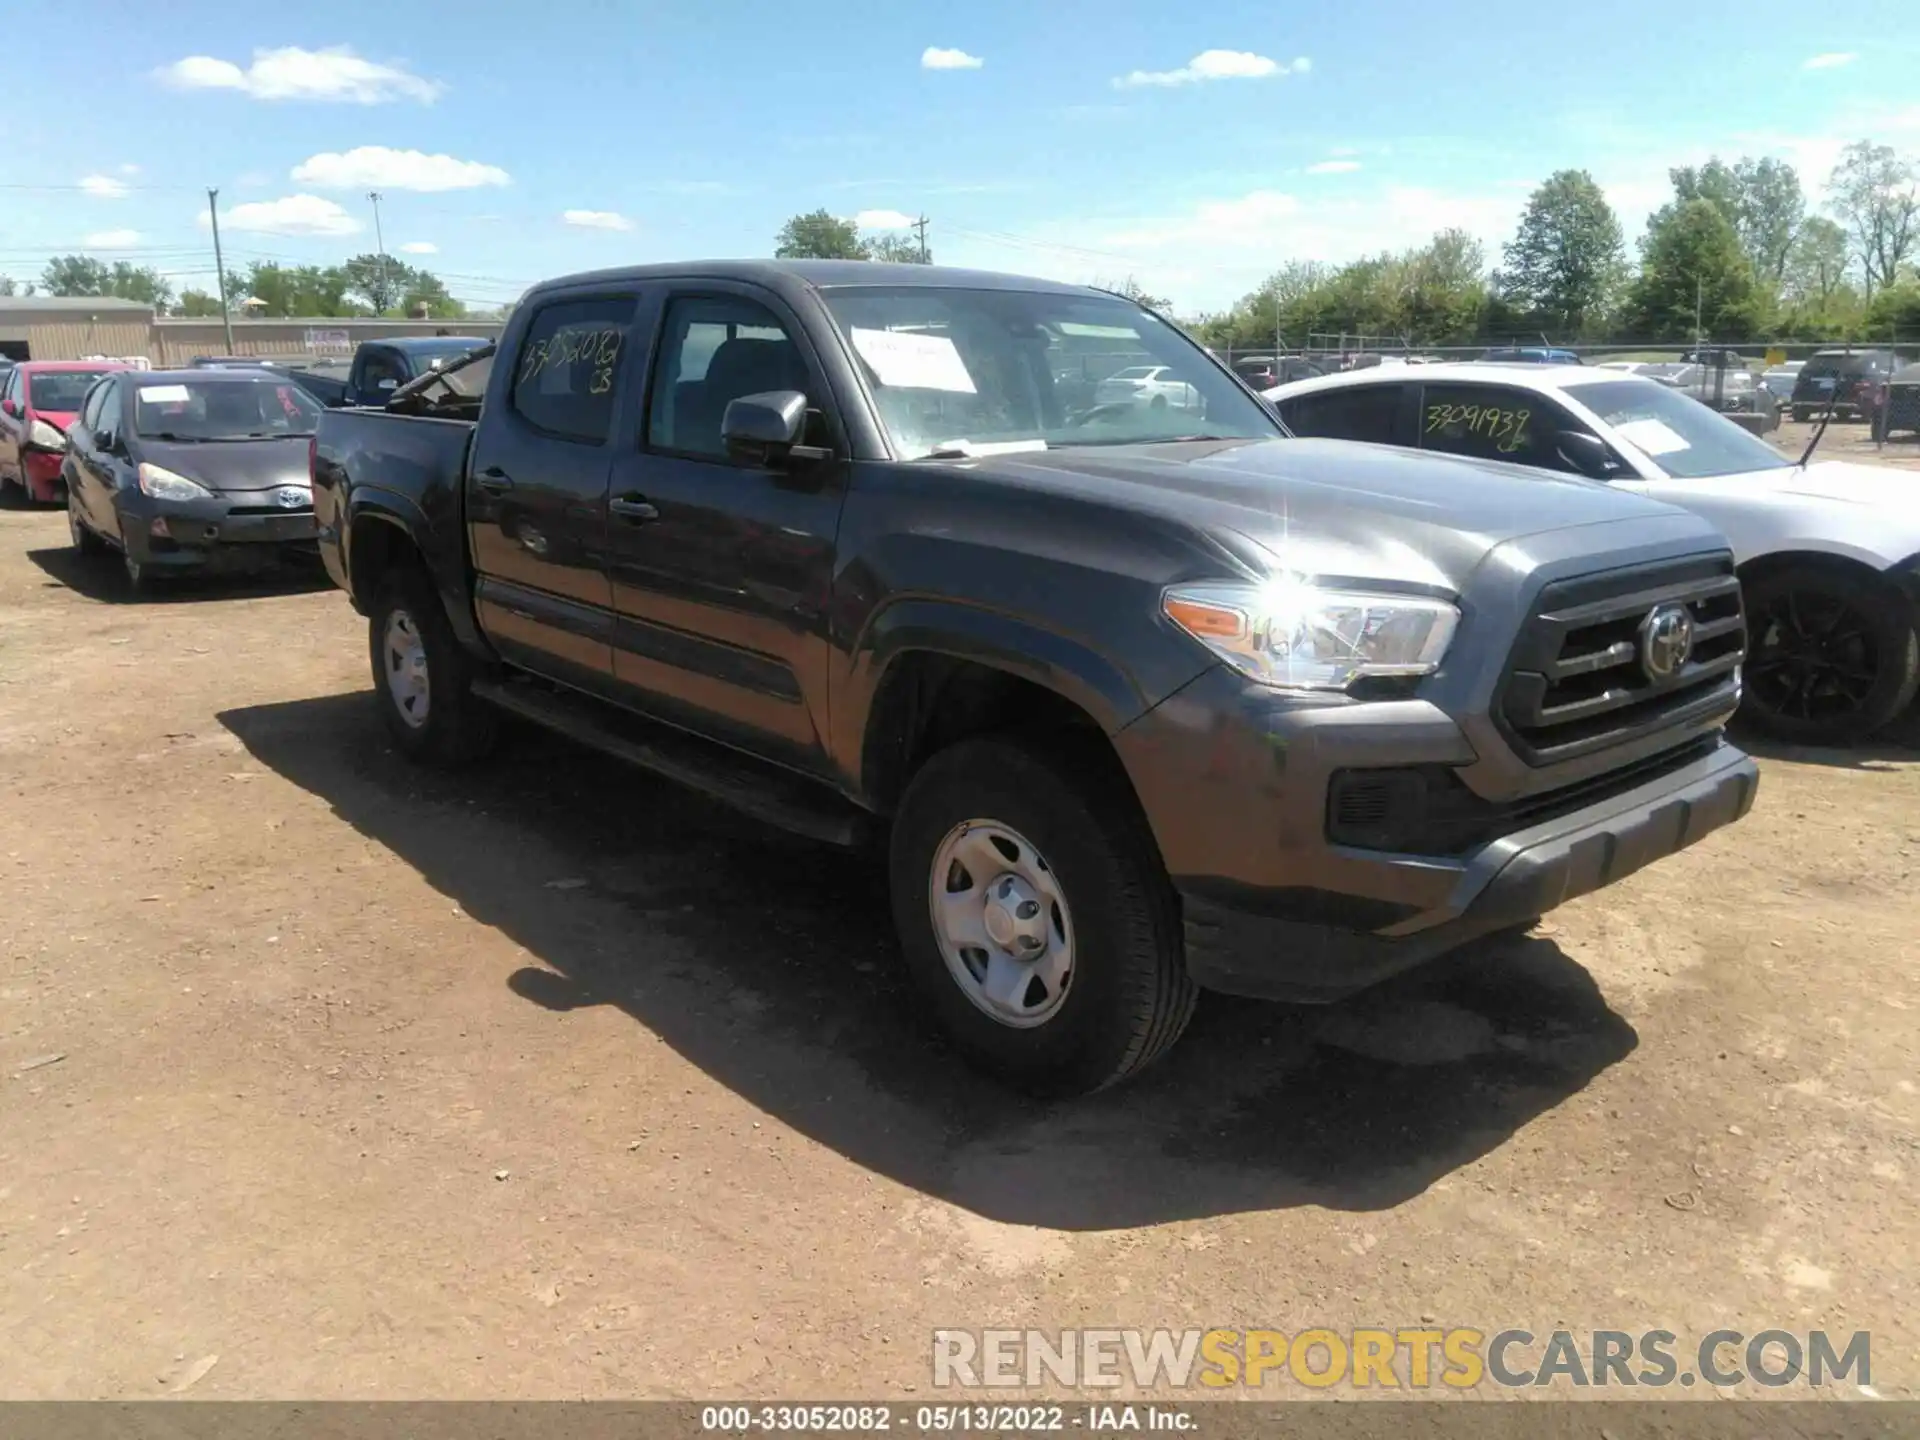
(85, 542)
(1831, 655)
(1127, 997)
(458, 728)
(1801, 415)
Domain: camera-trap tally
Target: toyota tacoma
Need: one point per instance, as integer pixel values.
(1140, 698)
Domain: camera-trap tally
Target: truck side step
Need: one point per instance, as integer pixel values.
(765, 792)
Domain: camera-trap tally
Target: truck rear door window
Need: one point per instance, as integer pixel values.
(568, 370)
(1363, 412)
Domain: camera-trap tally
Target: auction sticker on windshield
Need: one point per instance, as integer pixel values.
(914, 362)
(1655, 437)
(163, 395)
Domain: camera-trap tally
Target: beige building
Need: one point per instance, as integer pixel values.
(55, 327)
(44, 327)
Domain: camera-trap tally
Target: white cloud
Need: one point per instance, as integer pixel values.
(1832, 60)
(379, 168)
(1217, 65)
(1334, 167)
(935, 57)
(291, 215)
(113, 239)
(290, 73)
(882, 220)
(419, 247)
(103, 187)
(597, 219)
(129, 169)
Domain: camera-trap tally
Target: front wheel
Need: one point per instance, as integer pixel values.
(1035, 916)
(422, 679)
(1832, 656)
(1801, 415)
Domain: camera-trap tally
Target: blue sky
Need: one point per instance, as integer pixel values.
(1195, 147)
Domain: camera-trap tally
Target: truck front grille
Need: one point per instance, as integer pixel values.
(1581, 678)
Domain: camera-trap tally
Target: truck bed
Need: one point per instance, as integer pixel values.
(408, 467)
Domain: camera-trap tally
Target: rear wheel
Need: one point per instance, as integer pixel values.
(1035, 916)
(422, 677)
(1801, 415)
(1832, 656)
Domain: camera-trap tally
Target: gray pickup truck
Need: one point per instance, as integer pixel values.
(1141, 695)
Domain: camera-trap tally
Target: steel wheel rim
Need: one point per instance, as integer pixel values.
(404, 663)
(1813, 657)
(1002, 924)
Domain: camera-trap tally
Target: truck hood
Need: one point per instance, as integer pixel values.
(233, 466)
(1343, 508)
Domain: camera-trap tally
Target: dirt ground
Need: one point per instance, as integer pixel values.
(553, 1081)
(1850, 440)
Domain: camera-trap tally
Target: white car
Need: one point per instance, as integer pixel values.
(1828, 552)
(1156, 387)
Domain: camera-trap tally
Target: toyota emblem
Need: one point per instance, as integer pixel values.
(1666, 641)
(292, 497)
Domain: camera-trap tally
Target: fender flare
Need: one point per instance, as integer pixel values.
(389, 507)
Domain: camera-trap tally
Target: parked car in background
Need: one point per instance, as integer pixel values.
(1731, 392)
(1846, 379)
(1530, 355)
(1900, 412)
(1154, 387)
(1828, 552)
(38, 402)
(1263, 372)
(323, 378)
(192, 470)
(1628, 367)
(1778, 380)
(381, 367)
(1716, 357)
(1083, 675)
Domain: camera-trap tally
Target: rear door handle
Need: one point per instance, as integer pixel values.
(494, 480)
(634, 507)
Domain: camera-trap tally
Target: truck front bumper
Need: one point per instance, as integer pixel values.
(1275, 909)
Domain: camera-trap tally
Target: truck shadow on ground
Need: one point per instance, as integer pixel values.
(770, 964)
(101, 579)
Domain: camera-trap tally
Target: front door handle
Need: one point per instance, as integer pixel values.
(636, 508)
(494, 480)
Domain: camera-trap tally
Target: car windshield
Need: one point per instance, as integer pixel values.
(224, 409)
(956, 370)
(1679, 434)
(60, 391)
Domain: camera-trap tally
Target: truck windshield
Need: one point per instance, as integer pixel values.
(954, 369)
(1687, 439)
(224, 409)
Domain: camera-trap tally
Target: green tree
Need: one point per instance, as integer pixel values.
(84, 275)
(1895, 312)
(819, 236)
(896, 248)
(1443, 290)
(1692, 263)
(6, 285)
(1565, 264)
(76, 275)
(1873, 191)
(1760, 198)
(198, 304)
(424, 292)
(1817, 264)
(295, 290)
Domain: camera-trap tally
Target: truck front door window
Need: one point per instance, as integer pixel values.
(716, 350)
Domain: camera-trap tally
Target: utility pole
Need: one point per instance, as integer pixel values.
(379, 239)
(921, 226)
(1699, 290)
(220, 267)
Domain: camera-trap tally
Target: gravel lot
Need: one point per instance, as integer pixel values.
(553, 1081)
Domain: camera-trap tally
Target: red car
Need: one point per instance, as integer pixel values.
(38, 403)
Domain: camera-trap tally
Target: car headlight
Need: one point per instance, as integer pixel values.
(163, 484)
(46, 436)
(1294, 635)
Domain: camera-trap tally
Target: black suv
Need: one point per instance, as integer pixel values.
(1849, 380)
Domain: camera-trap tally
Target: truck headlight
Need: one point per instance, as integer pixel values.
(1294, 635)
(45, 437)
(163, 484)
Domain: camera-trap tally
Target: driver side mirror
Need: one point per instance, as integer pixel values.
(1589, 455)
(12, 407)
(765, 429)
